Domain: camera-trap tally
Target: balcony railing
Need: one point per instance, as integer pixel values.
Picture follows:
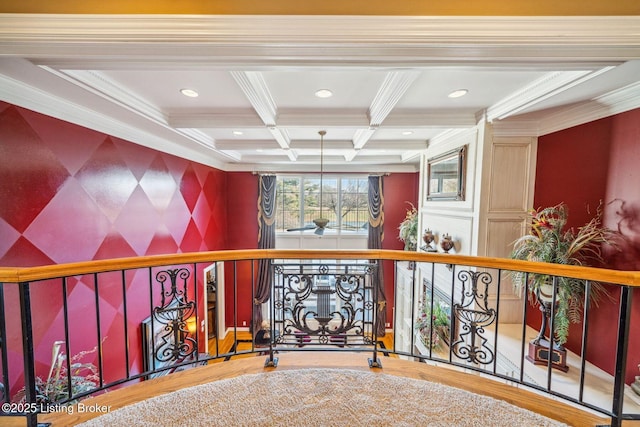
(74, 330)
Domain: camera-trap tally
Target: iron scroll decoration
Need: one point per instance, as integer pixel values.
(175, 342)
(325, 319)
(473, 315)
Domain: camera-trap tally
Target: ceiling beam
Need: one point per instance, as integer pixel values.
(392, 89)
(537, 91)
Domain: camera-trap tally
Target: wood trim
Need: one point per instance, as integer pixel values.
(358, 361)
(14, 275)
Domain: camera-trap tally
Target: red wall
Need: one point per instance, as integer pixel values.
(242, 231)
(399, 188)
(582, 166)
(73, 194)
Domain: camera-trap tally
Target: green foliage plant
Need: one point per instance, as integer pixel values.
(550, 241)
(408, 229)
(84, 377)
(433, 328)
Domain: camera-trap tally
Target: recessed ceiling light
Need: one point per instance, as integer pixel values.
(458, 93)
(238, 132)
(324, 93)
(407, 132)
(189, 92)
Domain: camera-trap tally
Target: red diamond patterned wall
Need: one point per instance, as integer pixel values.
(72, 194)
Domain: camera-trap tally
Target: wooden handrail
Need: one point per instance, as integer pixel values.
(26, 274)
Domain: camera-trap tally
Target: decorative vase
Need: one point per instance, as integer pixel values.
(539, 347)
(446, 243)
(428, 238)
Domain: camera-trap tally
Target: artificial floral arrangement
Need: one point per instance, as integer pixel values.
(437, 337)
(409, 229)
(550, 242)
(84, 377)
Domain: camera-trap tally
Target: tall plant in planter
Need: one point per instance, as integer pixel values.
(408, 229)
(550, 242)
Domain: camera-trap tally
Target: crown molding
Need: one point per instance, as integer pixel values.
(322, 117)
(214, 119)
(319, 40)
(100, 85)
(543, 88)
(31, 98)
(430, 119)
(615, 102)
(354, 167)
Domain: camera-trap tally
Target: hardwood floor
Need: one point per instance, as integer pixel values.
(358, 361)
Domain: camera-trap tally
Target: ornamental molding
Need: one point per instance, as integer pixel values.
(615, 102)
(318, 39)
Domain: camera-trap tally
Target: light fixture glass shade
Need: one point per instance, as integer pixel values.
(189, 92)
(324, 93)
(458, 93)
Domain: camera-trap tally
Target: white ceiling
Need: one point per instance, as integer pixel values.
(389, 76)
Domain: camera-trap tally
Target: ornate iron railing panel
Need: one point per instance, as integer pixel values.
(472, 315)
(173, 341)
(324, 304)
(329, 304)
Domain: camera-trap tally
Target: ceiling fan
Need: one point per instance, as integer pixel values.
(320, 224)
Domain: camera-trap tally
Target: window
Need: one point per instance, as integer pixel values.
(345, 202)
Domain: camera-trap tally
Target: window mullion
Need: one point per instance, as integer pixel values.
(302, 200)
(339, 202)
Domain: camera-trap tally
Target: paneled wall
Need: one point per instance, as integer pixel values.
(506, 194)
(453, 217)
(499, 183)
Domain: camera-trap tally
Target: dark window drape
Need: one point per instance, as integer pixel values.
(376, 235)
(266, 240)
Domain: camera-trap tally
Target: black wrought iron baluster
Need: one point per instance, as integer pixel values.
(98, 330)
(474, 320)
(622, 346)
(67, 345)
(585, 333)
(374, 362)
(195, 314)
(523, 337)
(495, 332)
(29, 364)
(126, 323)
(152, 350)
(271, 360)
(4, 386)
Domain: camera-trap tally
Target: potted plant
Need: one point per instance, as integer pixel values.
(550, 242)
(409, 229)
(433, 328)
(83, 377)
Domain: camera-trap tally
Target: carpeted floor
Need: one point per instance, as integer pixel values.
(321, 397)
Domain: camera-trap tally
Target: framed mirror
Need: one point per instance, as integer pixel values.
(446, 175)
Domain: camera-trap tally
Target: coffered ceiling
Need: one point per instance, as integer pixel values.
(257, 76)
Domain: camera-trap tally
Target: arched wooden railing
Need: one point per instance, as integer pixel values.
(111, 302)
